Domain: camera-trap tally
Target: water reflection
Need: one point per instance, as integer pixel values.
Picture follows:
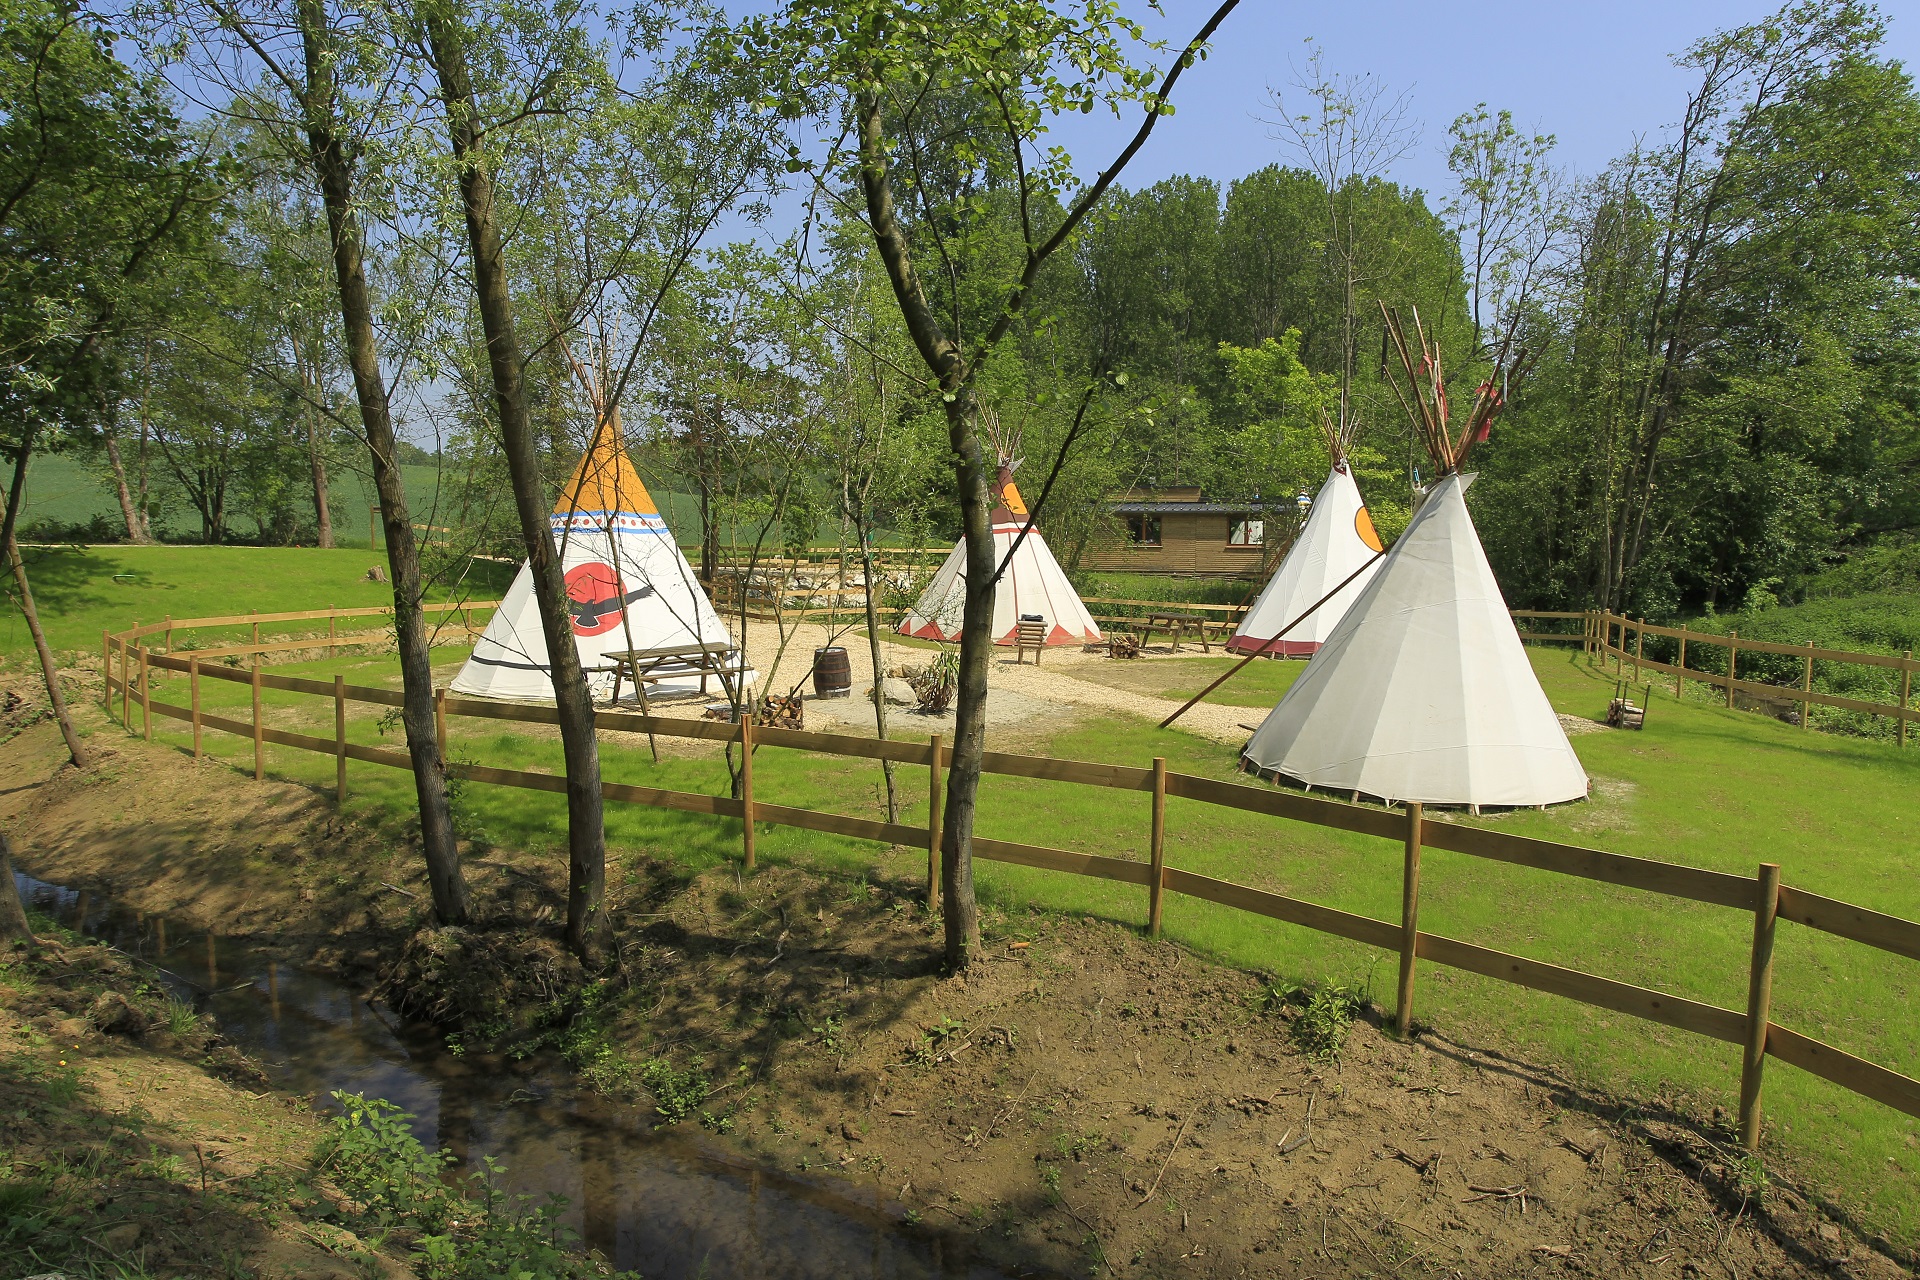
(668, 1205)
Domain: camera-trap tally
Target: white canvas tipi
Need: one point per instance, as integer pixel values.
(1423, 691)
(1034, 583)
(1337, 540)
(628, 587)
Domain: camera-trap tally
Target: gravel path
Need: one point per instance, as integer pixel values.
(1018, 692)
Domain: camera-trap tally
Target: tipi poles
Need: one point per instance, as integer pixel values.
(1234, 670)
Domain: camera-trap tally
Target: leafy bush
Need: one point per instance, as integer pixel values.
(468, 1231)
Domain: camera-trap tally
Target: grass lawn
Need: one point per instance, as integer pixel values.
(1701, 785)
(82, 590)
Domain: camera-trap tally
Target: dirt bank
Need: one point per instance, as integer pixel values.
(1084, 1101)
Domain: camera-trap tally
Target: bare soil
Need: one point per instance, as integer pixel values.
(1085, 1100)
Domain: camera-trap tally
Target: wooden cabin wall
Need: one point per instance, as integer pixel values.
(1190, 545)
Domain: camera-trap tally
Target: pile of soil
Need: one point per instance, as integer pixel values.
(1081, 1099)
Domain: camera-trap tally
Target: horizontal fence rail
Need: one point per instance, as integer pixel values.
(1610, 635)
(1763, 896)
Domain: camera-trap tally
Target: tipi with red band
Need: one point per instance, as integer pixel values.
(1033, 583)
(628, 587)
(1337, 541)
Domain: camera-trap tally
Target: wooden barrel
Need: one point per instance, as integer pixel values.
(832, 673)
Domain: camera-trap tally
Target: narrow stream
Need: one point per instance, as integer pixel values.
(665, 1204)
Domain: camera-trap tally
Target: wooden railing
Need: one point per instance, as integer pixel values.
(1763, 895)
(1605, 635)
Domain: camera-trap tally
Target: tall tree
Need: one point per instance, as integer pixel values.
(307, 104)
(446, 38)
(943, 102)
(98, 183)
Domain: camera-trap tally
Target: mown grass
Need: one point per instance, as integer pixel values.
(81, 591)
(1700, 785)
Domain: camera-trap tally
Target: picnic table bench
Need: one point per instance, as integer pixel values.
(712, 658)
(1176, 625)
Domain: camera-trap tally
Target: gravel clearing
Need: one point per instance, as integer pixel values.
(1018, 693)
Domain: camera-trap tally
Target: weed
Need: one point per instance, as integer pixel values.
(1324, 1016)
(676, 1093)
(466, 1231)
(181, 1018)
(828, 1033)
(1050, 1181)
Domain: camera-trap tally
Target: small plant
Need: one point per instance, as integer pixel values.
(181, 1018)
(1324, 1014)
(1050, 1181)
(828, 1033)
(676, 1094)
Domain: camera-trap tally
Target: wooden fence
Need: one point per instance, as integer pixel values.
(1605, 635)
(1762, 895)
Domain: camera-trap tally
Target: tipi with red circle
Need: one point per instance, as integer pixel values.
(628, 586)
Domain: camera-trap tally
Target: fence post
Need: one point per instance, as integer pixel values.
(256, 635)
(935, 829)
(259, 736)
(1157, 855)
(1639, 643)
(1682, 664)
(1806, 687)
(169, 645)
(440, 722)
(1766, 909)
(193, 699)
(331, 615)
(340, 740)
(1906, 687)
(1733, 662)
(146, 698)
(1409, 917)
(746, 788)
(126, 688)
(106, 671)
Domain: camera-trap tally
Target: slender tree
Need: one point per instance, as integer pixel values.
(446, 43)
(895, 77)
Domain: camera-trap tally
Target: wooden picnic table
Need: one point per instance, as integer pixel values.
(1176, 625)
(643, 666)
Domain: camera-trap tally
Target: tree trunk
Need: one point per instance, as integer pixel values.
(451, 904)
(13, 915)
(960, 910)
(9, 521)
(129, 511)
(49, 670)
(573, 701)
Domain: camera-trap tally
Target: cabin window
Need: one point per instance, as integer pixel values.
(1245, 531)
(1143, 531)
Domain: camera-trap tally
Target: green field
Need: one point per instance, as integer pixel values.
(1701, 785)
(83, 590)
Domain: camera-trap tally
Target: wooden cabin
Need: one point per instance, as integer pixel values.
(1176, 531)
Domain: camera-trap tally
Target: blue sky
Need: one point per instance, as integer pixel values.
(1595, 75)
